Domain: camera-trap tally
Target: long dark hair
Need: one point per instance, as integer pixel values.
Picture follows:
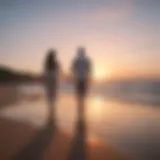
(51, 62)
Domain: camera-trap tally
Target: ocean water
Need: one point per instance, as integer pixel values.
(124, 117)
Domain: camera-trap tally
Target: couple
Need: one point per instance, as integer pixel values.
(81, 71)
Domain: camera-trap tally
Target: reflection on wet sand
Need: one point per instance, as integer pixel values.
(129, 129)
(79, 144)
(41, 140)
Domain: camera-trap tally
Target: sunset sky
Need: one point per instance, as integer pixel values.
(122, 37)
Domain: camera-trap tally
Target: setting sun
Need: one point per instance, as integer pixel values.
(101, 74)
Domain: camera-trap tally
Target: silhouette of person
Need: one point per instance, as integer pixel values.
(51, 74)
(81, 69)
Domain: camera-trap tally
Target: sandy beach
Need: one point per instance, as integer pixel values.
(8, 94)
(111, 131)
(21, 141)
(13, 136)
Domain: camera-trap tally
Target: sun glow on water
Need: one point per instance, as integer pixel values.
(95, 106)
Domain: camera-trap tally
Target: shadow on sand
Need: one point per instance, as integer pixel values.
(38, 143)
(41, 140)
(78, 149)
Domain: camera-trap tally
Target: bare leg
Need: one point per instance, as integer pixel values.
(51, 111)
(80, 107)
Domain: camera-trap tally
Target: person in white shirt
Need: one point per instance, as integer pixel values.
(81, 69)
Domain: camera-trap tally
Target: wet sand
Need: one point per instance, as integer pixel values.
(13, 136)
(8, 95)
(22, 141)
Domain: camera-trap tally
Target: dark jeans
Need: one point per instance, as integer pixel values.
(81, 87)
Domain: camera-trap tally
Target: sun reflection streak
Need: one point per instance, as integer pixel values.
(95, 105)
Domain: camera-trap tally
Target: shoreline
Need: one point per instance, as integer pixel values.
(8, 95)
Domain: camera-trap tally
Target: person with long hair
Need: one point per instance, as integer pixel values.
(51, 74)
